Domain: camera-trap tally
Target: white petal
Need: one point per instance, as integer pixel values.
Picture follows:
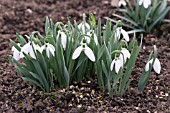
(63, 40)
(48, 52)
(118, 65)
(149, 2)
(147, 65)
(42, 48)
(51, 49)
(126, 53)
(84, 27)
(87, 39)
(112, 65)
(25, 49)
(32, 54)
(146, 3)
(37, 47)
(87, 25)
(157, 66)
(140, 2)
(77, 52)
(16, 55)
(89, 53)
(118, 31)
(122, 2)
(125, 35)
(95, 39)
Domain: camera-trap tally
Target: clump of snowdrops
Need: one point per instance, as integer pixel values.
(70, 53)
(142, 15)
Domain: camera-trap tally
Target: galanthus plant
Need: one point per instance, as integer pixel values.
(143, 15)
(68, 53)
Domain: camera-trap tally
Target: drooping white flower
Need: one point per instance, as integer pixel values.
(88, 52)
(90, 34)
(125, 53)
(117, 63)
(146, 3)
(120, 31)
(63, 38)
(156, 65)
(84, 27)
(122, 3)
(16, 53)
(27, 49)
(49, 48)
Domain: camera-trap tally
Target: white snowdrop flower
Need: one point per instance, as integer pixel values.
(88, 52)
(156, 66)
(49, 48)
(27, 49)
(84, 27)
(117, 63)
(90, 34)
(146, 3)
(16, 53)
(120, 31)
(63, 38)
(125, 53)
(122, 3)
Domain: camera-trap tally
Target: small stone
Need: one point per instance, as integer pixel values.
(166, 94)
(29, 11)
(79, 106)
(88, 82)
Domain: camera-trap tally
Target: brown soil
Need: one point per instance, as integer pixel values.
(25, 16)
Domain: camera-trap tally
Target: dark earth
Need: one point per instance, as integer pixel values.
(17, 96)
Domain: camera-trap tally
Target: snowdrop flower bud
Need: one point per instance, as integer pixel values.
(16, 53)
(156, 66)
(146, 3)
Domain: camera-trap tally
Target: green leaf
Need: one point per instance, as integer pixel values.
(159, 18)
(32, 81)
(144, 78)
(41, 74)
(100, 52)
(21, 39)
(15, 45)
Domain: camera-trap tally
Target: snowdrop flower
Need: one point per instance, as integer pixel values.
(146, 3)
(122, 3)
(118, 63)
(84, 27)
(120, 31)
(90, 34)
(126, 54)
(88, 52)
(156, 66)
(49, 49)
(16, 53)
(63, 39)
(27, 49)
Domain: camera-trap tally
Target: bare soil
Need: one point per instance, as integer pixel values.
(16, 96)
